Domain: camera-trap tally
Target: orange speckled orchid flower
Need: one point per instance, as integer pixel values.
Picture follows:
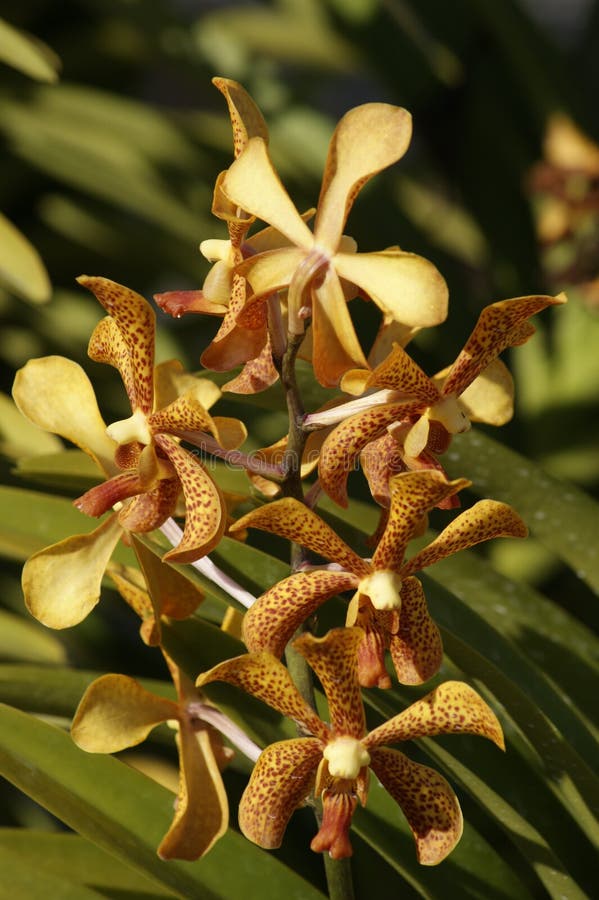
(141, 457)
(334, 760)
(425, 412)
(407, 287)
(389, 603)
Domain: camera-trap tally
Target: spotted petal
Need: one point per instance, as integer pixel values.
(202, 811)
(275, 616)
(334, 659)
(403, 285)
(399, 372)
(253, 184)
(186, 413)
(367, 139)
(281, 780)
(485, 520)
(246, 119)
(336, 348)
(107, 345)
(413, 494)
(116, 712)
(56, 394)
(452, 708)
(61, 583)
(136, 321)
(263, 676)
(416, 648)
(204, 517)
(292, 519)
(426, 800)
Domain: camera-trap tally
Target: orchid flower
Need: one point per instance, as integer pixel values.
(333, 760)
(423, 413)
(141, 458)
(316, 267)
(389, 603)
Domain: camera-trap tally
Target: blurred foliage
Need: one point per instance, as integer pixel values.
(112, 136)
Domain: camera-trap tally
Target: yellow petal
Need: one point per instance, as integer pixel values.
(271, 270)
(61, 583)
(292, 519)
(367, 139)
(336, 348)
(335, 661)
(136, 321)
(246, 119)
(263, 676)
(172, 381)
(281, 780)
(413, 494)
(116, 712)
(204, 505)
(107, 345)
(399, 372)
(490, 397)
(485, 520)
(275, 616)
(426, 800)
(253, 184)
(417, 437)
(404, 286)
(230, 432)
(452, 708)
(202, 812)
(416, 648)
(56, 394)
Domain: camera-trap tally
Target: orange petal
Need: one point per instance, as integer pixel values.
(399, 372)
(136, 321)
(281, 780)
(205, 520)
(416, 649)
(292, 519)
(202, 811)
(275, 616)
(116, 712)
(380, 460)
(404, 286)
(150, 509)
(334, 659)
(178, 303)
(345, 442)
(336, 348)
(452, 708)
(246, 119)
(271, 270)
(413, 494)
(426, 800)
(485, 520)
(257, 375)
(500, 325)
(107, 345)
(103, 497)
(367, 139)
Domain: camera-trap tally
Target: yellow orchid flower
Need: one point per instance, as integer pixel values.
(141, 457)
(333, 761)
(389, 603)
(316, 267)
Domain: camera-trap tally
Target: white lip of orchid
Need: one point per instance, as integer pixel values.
(215, 249)
(135, 428)
(383, 587)
(450, 414)
(361, 404)
(346, 756)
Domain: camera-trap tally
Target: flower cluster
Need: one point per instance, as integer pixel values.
(284, 291)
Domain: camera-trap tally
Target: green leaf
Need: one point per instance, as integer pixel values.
(71, 470)
(23, 639)
(21, 268)
(27, 53)
(126, 814)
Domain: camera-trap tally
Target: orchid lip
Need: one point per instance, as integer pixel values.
(346, 756)
(135, 428)
(383, 588)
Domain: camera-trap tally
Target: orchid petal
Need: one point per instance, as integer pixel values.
(403, 285)
(452, 708)
(178, 303)
(417, 437)
(390, 332)
(273, 619)
(368, 138)
(380, 460)
(246, 119)
(257, 375)
(426, 800)
(399, 371)
(173, 594)
(136, 321)
(204, 518)
(107, 345)
(335, 345)
(61, 583)
(485, 520)
(416, 649)
(281, 780)
(186, 413)
(230, 432)
(500, 325)
(271, 270)
(263, 676)
(150, 509)
(172, 381)
(56, 394)
(116, 712)
(292, 519)
(490, 397)
(344, 444)
(103, 497)
(131, 586)
(334, 659)
(413, 495)
(270, 239)
(202, 811)
(253, 184)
